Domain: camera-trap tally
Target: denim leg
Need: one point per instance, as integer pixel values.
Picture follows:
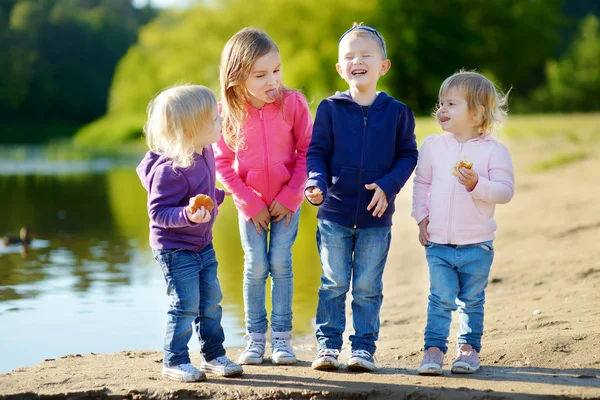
(281, 240)
(370, 254)
(335, 244)
(256, 270)
(474, 263)
(208, 324)
(444, 287)
(181, 271)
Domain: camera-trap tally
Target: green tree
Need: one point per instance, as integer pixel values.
(574, 81)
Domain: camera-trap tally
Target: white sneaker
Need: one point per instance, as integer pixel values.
(283, 354)
(222, 366)
(183, 373)
(327, 360)
(255, 349)
(361, 361)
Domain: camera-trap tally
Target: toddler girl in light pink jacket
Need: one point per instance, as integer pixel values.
(460, 177)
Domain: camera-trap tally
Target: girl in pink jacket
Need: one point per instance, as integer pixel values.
(460, 177)
(261, 160)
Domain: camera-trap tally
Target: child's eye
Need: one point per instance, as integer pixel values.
(260, 75)
(277, 70)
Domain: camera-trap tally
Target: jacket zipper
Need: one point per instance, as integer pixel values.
(362, 160)
(266, 155)
(452, 196)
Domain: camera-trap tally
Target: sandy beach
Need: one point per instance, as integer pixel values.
(542, 322)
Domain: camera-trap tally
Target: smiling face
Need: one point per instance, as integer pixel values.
(454, 115)
(264, 80)
(361, 62)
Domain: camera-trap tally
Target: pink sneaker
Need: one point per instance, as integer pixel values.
(467, 360)
(432, 363)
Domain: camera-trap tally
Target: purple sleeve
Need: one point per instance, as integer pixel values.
(168, 190)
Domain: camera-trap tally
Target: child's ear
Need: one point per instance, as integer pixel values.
(385, 67)
(338, 68)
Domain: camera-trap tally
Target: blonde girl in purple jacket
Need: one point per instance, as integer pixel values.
(261, 160)
(454, 207)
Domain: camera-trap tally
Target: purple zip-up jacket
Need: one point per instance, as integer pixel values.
(169, 192)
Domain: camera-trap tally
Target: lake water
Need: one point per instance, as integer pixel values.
(88, 283)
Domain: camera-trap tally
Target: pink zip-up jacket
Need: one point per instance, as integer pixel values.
(457, 216)
(272, 166)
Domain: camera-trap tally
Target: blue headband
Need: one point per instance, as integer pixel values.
(368, 29)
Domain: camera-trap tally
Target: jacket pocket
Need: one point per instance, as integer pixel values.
(470, 217)
(280, 176)
(255, 180)
(342, 194)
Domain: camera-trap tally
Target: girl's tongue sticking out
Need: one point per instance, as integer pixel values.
(272, 93)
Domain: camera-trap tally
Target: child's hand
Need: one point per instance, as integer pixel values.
(262, 220)
(379, 200)
(467, 177)
(200, 216)
(423, 235)
(279, 211)
(314, 195)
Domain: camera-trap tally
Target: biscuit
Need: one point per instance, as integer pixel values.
(465, 162)
(201, 200)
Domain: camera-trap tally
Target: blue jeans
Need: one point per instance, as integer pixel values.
(261, 258)
(458, 276)
(357, 256)
(195, 294)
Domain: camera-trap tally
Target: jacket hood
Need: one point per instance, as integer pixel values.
(148, 165)
(380, 101)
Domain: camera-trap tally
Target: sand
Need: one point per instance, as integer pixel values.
(542, 322)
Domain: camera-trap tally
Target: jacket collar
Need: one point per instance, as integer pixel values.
(449, 137)
(380, 101)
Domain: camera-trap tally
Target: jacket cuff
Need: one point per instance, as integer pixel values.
(388, 186)
(481, 188)
(219, 196)
(289, 198)
(249, 209)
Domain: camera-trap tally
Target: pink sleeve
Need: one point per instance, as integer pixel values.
(292, 194)
(500, 187)
(246, 200)
(422, 182)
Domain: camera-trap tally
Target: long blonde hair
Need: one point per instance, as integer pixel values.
(479, 91)
(176, 116)
(238, 57)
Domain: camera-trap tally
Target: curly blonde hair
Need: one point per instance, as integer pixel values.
(238, 57)
(176, 116)
(479, 91)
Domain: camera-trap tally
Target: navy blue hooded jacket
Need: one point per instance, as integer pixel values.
(349, 150)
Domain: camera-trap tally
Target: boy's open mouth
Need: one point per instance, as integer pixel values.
(359, 72)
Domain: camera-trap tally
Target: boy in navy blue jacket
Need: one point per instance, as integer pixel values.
(362, 152)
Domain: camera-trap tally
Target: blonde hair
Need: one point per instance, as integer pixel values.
(176, 116)
(359, 30)
(238, 57)
(479, 91)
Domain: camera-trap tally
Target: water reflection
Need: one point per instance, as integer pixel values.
(89, 271)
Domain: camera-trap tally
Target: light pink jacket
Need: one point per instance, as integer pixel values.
(457, 216)
(272, 166)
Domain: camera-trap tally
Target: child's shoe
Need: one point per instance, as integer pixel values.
(255, 349)
(183, 373)
(361, 361)
(467, 360)
(222, 366)
(327, 360)
(432, 363)
(283, 354)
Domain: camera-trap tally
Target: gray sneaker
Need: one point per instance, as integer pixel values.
(432, 363)
(255, 349)
(283, 354)
(183, 373)
(221, 366)
(467, 360)
(361, 361)
(327, 360)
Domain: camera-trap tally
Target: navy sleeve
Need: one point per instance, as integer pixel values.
(320, 149)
